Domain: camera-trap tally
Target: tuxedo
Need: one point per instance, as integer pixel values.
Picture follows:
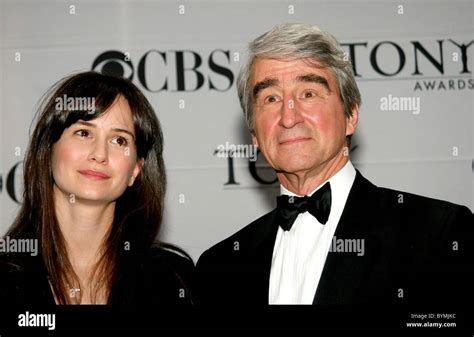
(417, 250)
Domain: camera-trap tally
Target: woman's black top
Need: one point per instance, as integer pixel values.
(159, 278)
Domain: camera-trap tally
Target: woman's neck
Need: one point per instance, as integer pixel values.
(84, 226)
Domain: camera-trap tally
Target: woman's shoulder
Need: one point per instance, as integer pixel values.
(16, 272)
(169, 256)
(169, 275)
(12, 263)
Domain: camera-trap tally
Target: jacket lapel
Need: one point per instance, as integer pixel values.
(344, 272)
(261, 254)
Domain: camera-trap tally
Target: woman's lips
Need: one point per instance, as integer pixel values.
(94, 174)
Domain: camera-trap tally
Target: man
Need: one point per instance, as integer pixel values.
(347, 242)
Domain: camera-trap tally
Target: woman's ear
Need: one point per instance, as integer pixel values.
(136, 170)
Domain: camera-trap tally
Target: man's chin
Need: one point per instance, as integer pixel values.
(294, 166)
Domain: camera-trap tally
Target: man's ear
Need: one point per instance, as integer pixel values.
(352, 121)
(254, 139)
(136, 170)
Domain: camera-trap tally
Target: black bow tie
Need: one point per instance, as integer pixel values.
(319, 205)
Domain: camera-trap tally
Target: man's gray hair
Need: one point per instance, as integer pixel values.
(292, 41)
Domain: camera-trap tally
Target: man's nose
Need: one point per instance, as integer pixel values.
(99, 151)
(290, 116)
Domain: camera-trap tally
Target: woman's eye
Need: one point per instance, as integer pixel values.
(120, 141)
(82, 133)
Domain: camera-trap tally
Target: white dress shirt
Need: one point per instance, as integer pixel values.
(300, 253)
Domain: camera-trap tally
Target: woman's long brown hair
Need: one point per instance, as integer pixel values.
(138, 211)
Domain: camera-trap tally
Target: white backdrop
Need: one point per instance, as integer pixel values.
(429, 153)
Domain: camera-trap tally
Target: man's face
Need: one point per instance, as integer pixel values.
(298, 117)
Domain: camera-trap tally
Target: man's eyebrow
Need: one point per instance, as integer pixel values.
(315, 79)
(266, 83)
(114, 129)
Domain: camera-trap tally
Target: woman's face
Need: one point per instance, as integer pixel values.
(96, 160)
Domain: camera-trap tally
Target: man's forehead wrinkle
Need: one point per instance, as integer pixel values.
(297, 77)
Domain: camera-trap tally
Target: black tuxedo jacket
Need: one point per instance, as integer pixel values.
(417, 250)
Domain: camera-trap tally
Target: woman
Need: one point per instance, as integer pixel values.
(94, 182)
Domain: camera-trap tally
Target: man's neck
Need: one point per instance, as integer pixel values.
(304, 182)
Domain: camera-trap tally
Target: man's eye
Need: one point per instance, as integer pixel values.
(121, 141)
(82, 133)
(271, 99)
(309, 94)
